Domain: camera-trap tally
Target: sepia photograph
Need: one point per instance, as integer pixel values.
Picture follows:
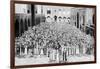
(50, 34)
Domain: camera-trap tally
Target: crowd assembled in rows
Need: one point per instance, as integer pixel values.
(44, 40)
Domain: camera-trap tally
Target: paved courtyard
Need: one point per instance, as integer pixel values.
(45, 60)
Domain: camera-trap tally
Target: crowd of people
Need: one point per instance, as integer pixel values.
(42, 40)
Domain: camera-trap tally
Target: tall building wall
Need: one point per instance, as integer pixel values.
(22, 18)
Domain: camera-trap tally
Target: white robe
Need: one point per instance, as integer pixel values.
(57, 56)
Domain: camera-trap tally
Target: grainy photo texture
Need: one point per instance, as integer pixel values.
(46, 34)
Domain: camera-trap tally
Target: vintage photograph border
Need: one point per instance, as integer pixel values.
(12, 33)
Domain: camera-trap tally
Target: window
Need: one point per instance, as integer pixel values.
(48, 12)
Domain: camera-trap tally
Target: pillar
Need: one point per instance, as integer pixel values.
(32, 15)
(77, 20)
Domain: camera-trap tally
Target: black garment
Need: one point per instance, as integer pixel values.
(64, 56)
